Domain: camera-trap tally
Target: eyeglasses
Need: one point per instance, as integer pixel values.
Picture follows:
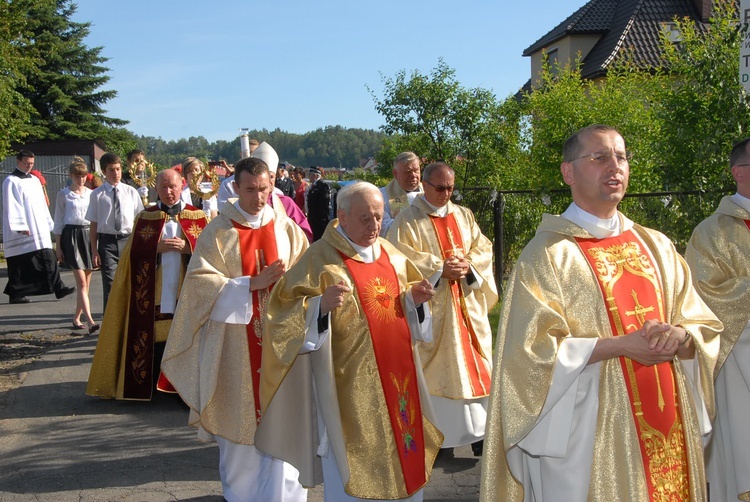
(601, 158)
(440, 188)
(742, 165)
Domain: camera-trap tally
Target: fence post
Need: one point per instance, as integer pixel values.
(498, 208)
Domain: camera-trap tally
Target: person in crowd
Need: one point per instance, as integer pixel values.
(93, 181)
(278, 202)
(194, 167)
(346, 316)
(300, 188)
(718, 257)
(283, 181)
(446, 244)
(318, 202)
(213, 353)
(27, 245)
(602, 386)
(403, 188)
(72, 239)
(136, 160)
(112, 211)
(144, 295)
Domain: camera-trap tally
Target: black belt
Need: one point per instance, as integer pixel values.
(113, 236)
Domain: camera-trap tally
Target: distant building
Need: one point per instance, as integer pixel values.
(603, 30)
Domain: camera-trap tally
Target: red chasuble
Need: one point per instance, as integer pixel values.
(257, 249)
(451, 244)
(139, 344)
(377, 289)
(632, 291)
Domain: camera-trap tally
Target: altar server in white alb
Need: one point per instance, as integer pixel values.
(27, 241)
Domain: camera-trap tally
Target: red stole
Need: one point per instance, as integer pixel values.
(632, 291)
(139, 341)
(451, 244)
(378, 292)
(257, 249)
(747, 223)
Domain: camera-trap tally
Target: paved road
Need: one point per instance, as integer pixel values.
(59, 444)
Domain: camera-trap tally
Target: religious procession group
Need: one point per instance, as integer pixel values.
(620, 369)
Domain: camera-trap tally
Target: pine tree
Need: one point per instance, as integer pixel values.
(65, 87)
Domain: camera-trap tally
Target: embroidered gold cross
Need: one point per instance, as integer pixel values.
(639, 311)
(455, 250)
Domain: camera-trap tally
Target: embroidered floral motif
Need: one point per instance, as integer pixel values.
(140, 364)
(142, 296)
(147, 232)
(407, 411)
(194, 230)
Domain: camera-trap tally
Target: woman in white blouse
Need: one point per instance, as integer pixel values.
(72, 238)
(191, 167)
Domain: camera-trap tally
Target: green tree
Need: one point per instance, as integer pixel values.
(706, 110)
(15, 64)
(65, 87)
(438, 119)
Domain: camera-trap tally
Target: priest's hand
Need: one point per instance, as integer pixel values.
(168, 244)
(422, 292)
(60, 255)
(95, 258)
(333, 297)
(635, 346)
(269, 275)
(455, 268)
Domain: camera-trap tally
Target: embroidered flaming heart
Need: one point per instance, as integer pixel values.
(380, 296)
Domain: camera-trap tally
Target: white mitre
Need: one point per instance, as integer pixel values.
(267, 154)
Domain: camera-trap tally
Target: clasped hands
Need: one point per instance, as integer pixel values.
(455, 268)
(656, 342)
(333, 297)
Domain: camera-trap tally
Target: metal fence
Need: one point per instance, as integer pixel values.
(510, 218)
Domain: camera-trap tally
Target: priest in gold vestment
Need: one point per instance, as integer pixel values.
(403, 188)
(144, 295)
(719, 257)
(446, 244)
(602, 385)
(341, 325)
(213, 354)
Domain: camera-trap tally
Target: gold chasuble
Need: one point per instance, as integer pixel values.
(718, 257)
(259, 249)
(637, 429)
(123, 362)
(451, 244)
(458, 362)
(209, 360)
(633, 294)
(377, 288)
(369, 386)
(397, 197)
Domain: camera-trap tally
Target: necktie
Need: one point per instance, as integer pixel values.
(118, 215)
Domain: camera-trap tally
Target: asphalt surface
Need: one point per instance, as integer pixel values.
(60, 445)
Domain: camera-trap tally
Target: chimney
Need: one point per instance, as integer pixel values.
(704, 9)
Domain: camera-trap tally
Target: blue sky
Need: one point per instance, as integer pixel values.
(209, 68)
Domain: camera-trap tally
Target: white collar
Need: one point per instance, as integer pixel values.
(367, 253)
(255, 220)
(742, 201)
(598, 227)
(440, 211)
